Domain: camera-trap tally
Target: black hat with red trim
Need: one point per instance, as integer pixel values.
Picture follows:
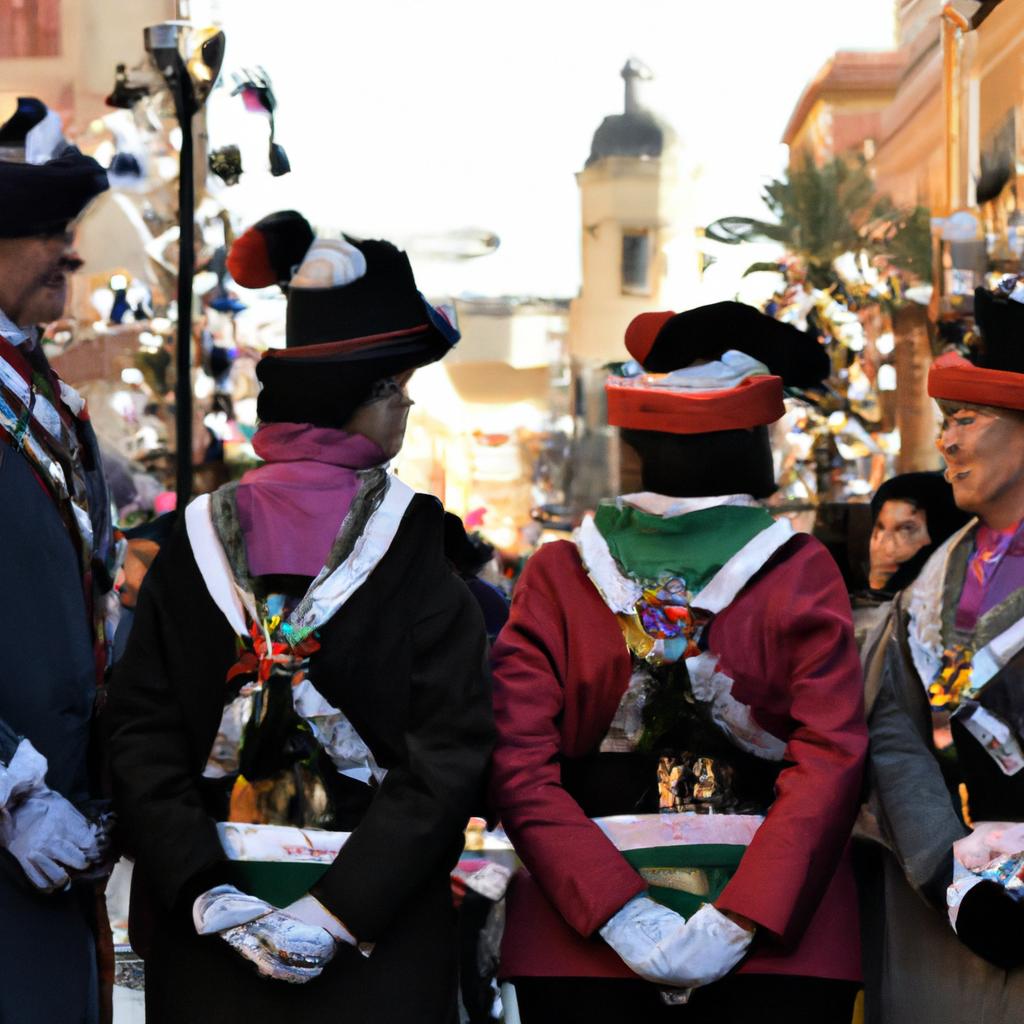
(355, 317)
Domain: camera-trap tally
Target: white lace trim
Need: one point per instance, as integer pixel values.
(723, 587)
(642, 831)
(734, 718)
(924, 609)
(43, 411)
(331, 589)
(227, 595)
(668, 507)
(336, 734)
(924, 632)
(620, 592)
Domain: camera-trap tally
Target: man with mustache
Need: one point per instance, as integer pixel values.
(947, 728)
(55, 563)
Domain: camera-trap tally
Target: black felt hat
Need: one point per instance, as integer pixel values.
(42, 197)
(1000, 321)
(663, 342)
(341, 340)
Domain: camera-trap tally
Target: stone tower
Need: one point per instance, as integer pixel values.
(635, 203)
(639, 252)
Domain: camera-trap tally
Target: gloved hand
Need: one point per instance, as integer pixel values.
(990, 922)
(663, 947)
(22, 775)
(46, 833)
(988, 840)
(280, 945)
(311, 911)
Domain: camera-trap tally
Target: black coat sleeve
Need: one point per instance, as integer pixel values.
(156, 761)
(413, 828)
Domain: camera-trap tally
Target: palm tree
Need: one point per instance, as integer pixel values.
(820, 214)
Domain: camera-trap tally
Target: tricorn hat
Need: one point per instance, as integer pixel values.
(713, 368)
(45, 183)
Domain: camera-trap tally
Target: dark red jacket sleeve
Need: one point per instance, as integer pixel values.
(559, 665)
(793, 628)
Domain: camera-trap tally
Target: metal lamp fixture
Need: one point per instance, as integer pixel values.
(190, 80)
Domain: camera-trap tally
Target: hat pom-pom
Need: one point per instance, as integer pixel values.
(248, 260)
(642, 332)
(330, 263)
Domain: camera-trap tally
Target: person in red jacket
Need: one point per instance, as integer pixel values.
(679, 708)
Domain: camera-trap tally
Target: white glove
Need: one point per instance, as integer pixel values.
(663, 947)
(988, 840)
(311, 911)
(280, 945)
(24, 774)
(963, 882)
(51, 839)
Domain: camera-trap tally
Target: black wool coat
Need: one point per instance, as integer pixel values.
(406, 660)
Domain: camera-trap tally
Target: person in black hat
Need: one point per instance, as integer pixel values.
(56, 555)
(303, 658)
(687, 653)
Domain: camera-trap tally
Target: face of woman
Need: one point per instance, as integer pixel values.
(383, 417)
(900, 531)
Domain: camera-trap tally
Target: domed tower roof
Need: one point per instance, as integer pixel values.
(636, 131)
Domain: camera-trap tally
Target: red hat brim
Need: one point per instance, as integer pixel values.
(639, 404)
(953, 379)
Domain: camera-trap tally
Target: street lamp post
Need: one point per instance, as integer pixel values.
(189, 84)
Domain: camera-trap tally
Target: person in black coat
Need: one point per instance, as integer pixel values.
(56, 555)
(314, 599)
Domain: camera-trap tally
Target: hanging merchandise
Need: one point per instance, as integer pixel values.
(226, 164)
(258, 96)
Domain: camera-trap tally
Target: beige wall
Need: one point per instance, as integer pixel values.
(910, 164)
(96, 35)
(520, 337)
(618, 195)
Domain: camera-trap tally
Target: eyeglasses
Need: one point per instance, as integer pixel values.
(385, 389)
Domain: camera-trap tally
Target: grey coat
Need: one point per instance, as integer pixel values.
(916, 970)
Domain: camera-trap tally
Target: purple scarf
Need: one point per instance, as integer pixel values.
(994, 571)
(291, 508)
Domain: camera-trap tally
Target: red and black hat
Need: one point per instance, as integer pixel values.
(45, 183)
(713, 368)
(994, 375)
(342, 338)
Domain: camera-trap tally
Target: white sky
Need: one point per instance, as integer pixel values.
(406, 116)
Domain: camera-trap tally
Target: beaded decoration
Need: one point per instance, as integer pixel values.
(663, 627)
(952, 682)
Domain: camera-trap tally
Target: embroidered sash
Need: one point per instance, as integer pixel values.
(45, 435)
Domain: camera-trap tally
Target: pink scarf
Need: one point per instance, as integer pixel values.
(292, 507)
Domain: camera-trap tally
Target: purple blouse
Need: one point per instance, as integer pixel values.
(995, 570)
